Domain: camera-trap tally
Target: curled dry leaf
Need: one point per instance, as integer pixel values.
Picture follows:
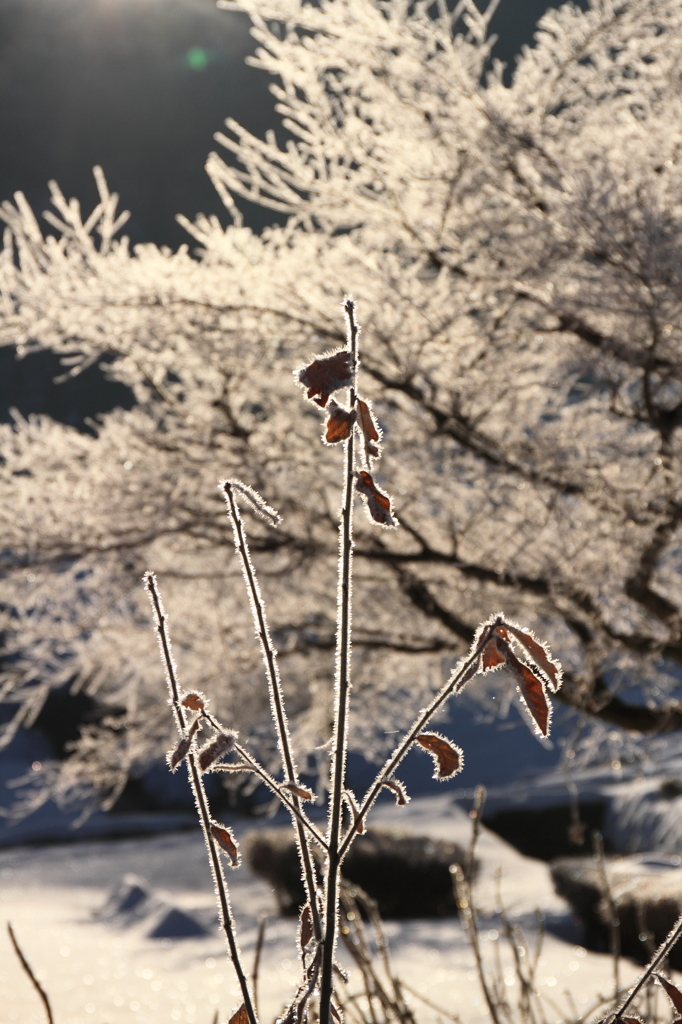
(492, 656)
(305, 931)
(226, 842)
(671, 990)
(215, 749)
(447, 757)
(540, 655)
(326, 374)
(370, 431)
(240, 1017)
(339, 424)
(378, 504)
(299, 791)
(194, 701)
(398, 788)
(177, 756)
(531, 687)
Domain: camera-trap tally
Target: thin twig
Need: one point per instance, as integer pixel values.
(256, 957)
(614, 922)
(427, 1002)
(34, 981)
(343, 665)
(476, 813)
(276, 696)
(663, 951)
(465, 903)
(196, 780)
(289, 800)
(461, 675)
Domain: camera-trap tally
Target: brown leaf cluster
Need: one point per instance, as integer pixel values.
(533, 677)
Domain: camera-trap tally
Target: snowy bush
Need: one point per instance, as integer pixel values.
(515, 250)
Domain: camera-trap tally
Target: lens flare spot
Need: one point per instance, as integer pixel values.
(197, 58)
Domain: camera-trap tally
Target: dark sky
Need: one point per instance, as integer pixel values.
(140, 86)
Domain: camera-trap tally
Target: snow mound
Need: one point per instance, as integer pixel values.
(128, 901)
(133, 901)
(173, 923)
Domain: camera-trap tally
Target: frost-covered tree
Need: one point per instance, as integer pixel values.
(515, 254)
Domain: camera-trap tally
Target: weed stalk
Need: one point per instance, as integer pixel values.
(226, 918)
(343, 667)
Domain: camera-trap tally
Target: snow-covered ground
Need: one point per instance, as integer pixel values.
(109, 970)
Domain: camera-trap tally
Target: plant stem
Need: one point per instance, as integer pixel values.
(664, 950)
(286, 798)
(456, 681)
(256, 958)
(29, 970)
(196, 780)
(276, 700)
(343, 666)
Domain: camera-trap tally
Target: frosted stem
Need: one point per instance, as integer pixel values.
(343, 667)
(196, 781)
(276, 695)
(456, 681)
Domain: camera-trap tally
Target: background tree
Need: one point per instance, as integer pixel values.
(515, 255)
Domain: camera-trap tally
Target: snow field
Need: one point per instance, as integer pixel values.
(110, 972)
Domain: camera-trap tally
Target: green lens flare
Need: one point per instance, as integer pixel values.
(196, 58)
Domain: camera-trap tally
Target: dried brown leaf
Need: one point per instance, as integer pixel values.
(240, 1017)
(398, 788)
(370, 431)
(194, 701)
(339, 424)
(492, 656)
(177, 756)
(215, 749)
(539, 654)
(299, 791)
(531, 687)
(378, 503)
(305, 932)
(327, 374)
(226, 842)
(671, 990)
(447, 757)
